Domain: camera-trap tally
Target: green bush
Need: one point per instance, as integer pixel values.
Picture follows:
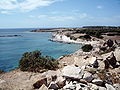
(87, 48)
(1, 71)
(34, 61)
(85, 37)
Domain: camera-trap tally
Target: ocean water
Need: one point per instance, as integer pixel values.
(12, 48)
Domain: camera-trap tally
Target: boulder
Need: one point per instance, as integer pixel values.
(110, 43)
(73, 72)
(95, 64)
(88, 76)
(109, 87)
(111, 60)
(39, 83)
(117, 54)
(98, 82)
(102, 88)
(61, 83)
(117, 86)
(101, 65)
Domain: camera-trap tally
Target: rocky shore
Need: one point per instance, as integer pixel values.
(98, 69)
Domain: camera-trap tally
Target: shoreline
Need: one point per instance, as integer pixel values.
(84, 68)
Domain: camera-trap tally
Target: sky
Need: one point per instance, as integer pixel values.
(58, 13)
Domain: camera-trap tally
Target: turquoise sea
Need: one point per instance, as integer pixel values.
(12, 48)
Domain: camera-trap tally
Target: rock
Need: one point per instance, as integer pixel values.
(54, 78)
(109, 87)
(117, 54)
(72, 72)
(110, 43)
(69, 86)
(88, 77)
(101, 65)
(53, 86)
(91, 70)
(95, 64)
(39, 83)
(61, 82)
(117, 86)
(43, 87)
(78, 87)
(93, 86)
(102, 88)
(98, 82)
(2, 81)
(111, 60)
(93, 59)
(83, 81)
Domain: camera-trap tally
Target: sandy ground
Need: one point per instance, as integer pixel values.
(117, 38)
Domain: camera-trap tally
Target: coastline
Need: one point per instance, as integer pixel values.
(68, 63)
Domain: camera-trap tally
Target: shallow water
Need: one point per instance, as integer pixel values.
(12, 48)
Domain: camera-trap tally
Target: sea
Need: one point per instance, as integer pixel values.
(12, 48)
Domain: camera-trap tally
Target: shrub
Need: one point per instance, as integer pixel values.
(87, 48)
(1, 71)
(85, 37)
(35, 62)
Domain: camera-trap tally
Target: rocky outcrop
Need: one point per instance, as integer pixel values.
(73, 72)
(110, 60)
(39, 83)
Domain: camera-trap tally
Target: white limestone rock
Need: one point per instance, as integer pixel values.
(117, 54)
(73, 72)
(109, 87)
(88, 76)
(98, 82)
(117, 86)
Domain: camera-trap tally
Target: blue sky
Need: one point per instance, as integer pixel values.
(58, 13)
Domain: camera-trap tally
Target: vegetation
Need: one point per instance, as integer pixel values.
(1, 71)
(73, 38)
(85, 37)
(35, 62)
(87, 48)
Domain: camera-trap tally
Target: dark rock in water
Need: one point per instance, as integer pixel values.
(11, 36)
(39, 83)
(110, 43)
(111, 60)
